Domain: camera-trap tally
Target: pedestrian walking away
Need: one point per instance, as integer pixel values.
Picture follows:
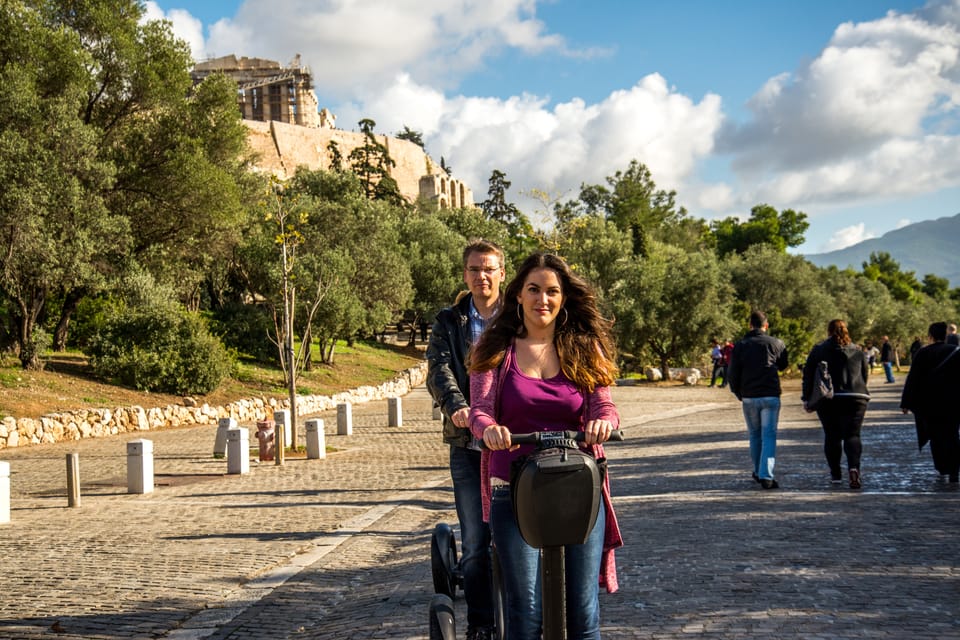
(716, 356)
(842, 415)
(545, 363)
(886, 359)
(930, 392)
(754, 378)
(457, 328)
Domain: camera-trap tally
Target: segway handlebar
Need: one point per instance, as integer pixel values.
(538, 437)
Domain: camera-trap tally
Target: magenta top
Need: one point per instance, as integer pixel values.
(534, 404)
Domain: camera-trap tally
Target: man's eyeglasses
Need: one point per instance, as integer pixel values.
(487, 271)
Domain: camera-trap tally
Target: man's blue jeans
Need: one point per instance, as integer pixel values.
(475, 536)
(521, 576)
(762, 415)
(888, 371)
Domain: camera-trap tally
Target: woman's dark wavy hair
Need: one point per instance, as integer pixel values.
(837, 329)
(582, 336)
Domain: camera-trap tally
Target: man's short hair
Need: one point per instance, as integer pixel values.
(938, 331)
(479, 245)
(758, 319)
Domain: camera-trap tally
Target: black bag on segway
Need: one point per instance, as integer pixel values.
(556, 496)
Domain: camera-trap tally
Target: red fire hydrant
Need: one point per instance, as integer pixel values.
(265, 436)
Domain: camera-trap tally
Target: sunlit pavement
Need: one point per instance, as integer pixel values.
(339, 548)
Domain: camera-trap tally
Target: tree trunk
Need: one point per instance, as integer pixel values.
(70, 303)
(665, 366)
(306, 344)
(413, 330)
(30, 352)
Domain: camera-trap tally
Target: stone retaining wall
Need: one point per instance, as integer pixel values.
(95, 423)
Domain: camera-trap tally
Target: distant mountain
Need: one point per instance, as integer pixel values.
(932, 246)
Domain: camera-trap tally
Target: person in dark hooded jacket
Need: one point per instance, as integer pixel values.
(842, 415)
(930, 392)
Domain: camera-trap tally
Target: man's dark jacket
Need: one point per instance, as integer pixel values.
(754, 363)
(447, 378)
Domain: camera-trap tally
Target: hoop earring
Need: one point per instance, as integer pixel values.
(566, 316)
(520, 313)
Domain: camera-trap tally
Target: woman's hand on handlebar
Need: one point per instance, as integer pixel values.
(496, 437)
(597, 431)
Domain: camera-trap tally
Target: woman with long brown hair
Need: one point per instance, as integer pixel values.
(545, 363)
(842, 415)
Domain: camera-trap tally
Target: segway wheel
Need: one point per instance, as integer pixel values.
(499, 598)
(443, 560)
(443, 625)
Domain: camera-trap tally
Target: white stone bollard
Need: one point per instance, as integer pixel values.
(437, 413)
(316, 441)
(4, 492)
(281, 420)
(220, 444)
(344, 419)
(73, 480)
(238, 450)
(394, 412)
(140, 466)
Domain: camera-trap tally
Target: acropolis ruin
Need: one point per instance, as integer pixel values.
(280, 108)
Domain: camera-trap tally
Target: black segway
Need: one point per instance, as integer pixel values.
(444, 566)
(556, 500)
(447, 577)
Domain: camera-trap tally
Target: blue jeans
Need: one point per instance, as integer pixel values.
(888, 371)
(475, 537)
(521, 576)
(762, 415)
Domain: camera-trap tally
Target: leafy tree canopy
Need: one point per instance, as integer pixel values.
(765, 226)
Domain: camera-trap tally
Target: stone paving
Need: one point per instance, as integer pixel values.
(339, 547)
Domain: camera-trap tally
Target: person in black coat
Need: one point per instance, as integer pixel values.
(930, 392)
(754, 378)
(842, 415)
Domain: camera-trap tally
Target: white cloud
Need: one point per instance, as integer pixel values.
(874, 115)
(185, 26)
(551, 148)
(902, 222)
(846, 237)
(357, 47)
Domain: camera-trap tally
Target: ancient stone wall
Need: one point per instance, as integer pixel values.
(95, 423)
(281, 148)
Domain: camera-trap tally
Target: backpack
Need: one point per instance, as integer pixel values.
(822, 386)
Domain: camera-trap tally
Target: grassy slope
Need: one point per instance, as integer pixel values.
(66, 383)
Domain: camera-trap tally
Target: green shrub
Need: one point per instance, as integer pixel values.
(159, 348)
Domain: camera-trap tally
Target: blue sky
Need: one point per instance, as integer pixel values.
(843, 109)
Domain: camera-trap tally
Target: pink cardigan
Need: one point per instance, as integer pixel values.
(484, 406)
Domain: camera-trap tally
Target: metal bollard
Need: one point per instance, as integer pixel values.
(238, 451)
(220, 445)
(73, 479)
(281, 419)
(344, 419)
(316, 442)
(394, 412)
(4, 492)
(140, 466)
